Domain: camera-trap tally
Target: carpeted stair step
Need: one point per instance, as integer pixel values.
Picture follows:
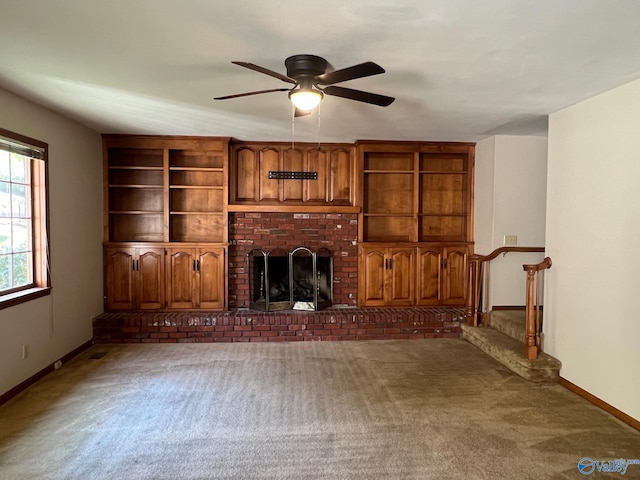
(509, 322)
(510, 353)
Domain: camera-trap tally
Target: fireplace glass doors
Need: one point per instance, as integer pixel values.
(300, 279)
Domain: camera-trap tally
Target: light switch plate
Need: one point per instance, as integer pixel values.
(511, 240)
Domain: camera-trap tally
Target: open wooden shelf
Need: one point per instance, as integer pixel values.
(415, 192)
(165, 189)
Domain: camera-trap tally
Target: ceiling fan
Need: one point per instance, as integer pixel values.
(311, 81)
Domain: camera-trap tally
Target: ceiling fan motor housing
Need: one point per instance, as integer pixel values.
(305, 66)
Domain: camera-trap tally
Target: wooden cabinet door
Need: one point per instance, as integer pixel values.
(244, 176)
(196, 278)
(315, 190)
(134, 278)
(429, 276)
(340, 181)
(388, 276)
(181, 278)
(269, 188)
(291, 189)
(372, 280)
(211, 272)
(455, 276)
(150, 279)
(119, 278)
(400, 276)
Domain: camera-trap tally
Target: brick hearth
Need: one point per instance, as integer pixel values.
(245, 325)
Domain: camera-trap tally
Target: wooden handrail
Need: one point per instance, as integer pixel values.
(533, 327)
(474, 315)
(505, 250)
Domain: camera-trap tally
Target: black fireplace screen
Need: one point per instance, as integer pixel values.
(300, 279)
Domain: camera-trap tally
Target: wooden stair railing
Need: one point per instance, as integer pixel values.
(478, 294)
(532, 342)
(478, 284)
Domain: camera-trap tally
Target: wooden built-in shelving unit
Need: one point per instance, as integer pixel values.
(167, 201)
(416, 223)
(165, 232)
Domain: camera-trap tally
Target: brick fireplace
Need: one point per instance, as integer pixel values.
(337, 232)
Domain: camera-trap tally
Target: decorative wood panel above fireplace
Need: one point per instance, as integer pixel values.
(252, 184)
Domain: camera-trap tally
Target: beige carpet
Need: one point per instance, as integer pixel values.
(416, 409)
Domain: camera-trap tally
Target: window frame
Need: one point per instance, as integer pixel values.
(41, 285)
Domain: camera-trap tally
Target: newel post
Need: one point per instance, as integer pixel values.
(470, 316)
(530, 344)
(473, 294)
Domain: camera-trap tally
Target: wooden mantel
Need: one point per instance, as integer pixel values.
(261, 208)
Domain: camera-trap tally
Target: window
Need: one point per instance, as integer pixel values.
(24, 272)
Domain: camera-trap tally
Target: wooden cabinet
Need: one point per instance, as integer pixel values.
(425, 275)
(165, 277)
(134, 278)
(442, 275)
(196, 278)
(415, 192)
(171, 192)
(415, 196)
(387, 276)
(331, 164)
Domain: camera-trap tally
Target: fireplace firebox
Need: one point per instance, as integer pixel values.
(300, 279)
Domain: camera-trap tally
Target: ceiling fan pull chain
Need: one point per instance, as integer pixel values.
(318, 132)
(293, 127)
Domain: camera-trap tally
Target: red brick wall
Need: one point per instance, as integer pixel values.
(336, 231)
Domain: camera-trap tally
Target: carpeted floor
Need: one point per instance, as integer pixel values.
(414, 409)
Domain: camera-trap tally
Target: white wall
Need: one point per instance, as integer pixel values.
(593, 229)
(510, 199)
(54, 325)
(483, 195)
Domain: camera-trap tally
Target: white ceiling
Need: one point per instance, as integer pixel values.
(459, 69)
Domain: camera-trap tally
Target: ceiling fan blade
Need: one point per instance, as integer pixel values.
(359, 96)
(252, 93)
(357, 71)
(301, 113)
(266, 71)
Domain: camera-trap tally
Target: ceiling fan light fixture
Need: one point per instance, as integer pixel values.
(311, 82)
(306, 98)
